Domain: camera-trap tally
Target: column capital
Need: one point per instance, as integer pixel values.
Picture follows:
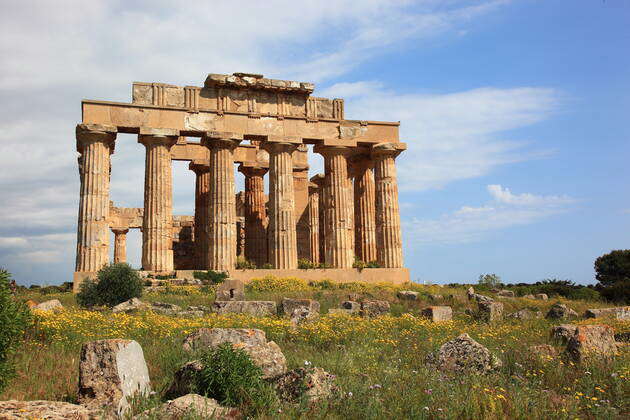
(199, 167)
(87, 133)
(279, 146)
(252, 170)
(119, 230)
(333, 150)
(318, 179)
(388, 149)
(158, 136)
(221, 139)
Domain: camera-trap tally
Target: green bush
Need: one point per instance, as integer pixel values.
(230, 377)
(210, 276)
(115, 284)
(304, 264)
(618, 292)
(15, 318)
(243, 263)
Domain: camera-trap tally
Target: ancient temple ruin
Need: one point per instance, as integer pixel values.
(348, 213)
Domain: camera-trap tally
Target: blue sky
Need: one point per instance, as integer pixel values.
(514, 112)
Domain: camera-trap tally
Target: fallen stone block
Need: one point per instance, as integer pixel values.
(129, 306)
(374, 308)
(49, 410)
(506, 293)
(313, 384)
(463, 354)
(621, 313)
(560, 311)
(301, 315)
(438, 313)
(110, 372)
(541, 296)
(407, 295)
(165, 308)
(490, 311)
(563, 332)
(529, 297)
(191, 314)
(184, 379)
(289, 305)
(351, 306)
(250, 307)
(231, 289)
(524, 314)
(191, 406)
(591, 341)
(49, 306)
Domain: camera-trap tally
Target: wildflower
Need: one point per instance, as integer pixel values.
(350, 394)
(428, 391)
(426, 408)
(307, 363)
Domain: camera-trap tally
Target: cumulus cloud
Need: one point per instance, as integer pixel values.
(470, 223)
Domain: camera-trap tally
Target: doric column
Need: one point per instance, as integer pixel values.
(157, 223)
(313, 222)
(281, 231)
(202, 187)
(339, 210)
(388, 236)
(255, 214)
(120, 244)
(221, 200)
(364, 209)
(319, 181)
(95, 143)
(300, 201)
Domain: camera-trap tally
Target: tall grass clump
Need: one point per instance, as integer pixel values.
(115, 284)
(15, 318)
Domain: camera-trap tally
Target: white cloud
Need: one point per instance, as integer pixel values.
(470, 224)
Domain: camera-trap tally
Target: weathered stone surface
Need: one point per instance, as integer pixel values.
(541, 296)
(524, 314)
(374, 308)
(201, 308)
(302, 314)
(131, 305)
(560, 311)
(191, 314)
(184, 379)
(265, 354)
(621, 312)
(592, 341)
(50, 410)
(351, 306)
(250, 307)
(470, 293)
(190, 405)
(529, 297)
(463, 354)
(505, 293)
(111, 371)
(49, 306)
(290, 305)
(314, 384)
(563, 332)
(31, 303)
(165, 308)
(490, 311)
(438, 313)
(231, 289)
(408, 295)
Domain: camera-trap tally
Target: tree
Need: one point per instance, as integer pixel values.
(613, 267)
(490, 280)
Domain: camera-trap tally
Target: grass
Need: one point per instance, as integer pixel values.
(379, 363)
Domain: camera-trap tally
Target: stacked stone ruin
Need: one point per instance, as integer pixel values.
(264, 125)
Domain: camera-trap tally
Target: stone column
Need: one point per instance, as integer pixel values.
(255, 214)
(300, 201)
(319, 181)
(364, 209)
(388, 235)
(313, 222)
(221, 200)
(281, 231)
(339, 210)
(202, 188)
(95, 143)
(120, 244)
(157, 223)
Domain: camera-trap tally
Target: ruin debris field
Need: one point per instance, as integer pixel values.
(379, 363)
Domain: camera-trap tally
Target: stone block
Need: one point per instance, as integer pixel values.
(621, 313)
(524, 314)
(289, 305)
(351, 306)
(438, 313)
(463, 354)
(191, 405)
(490, 311)
(563, 332)
(592, 341)
(50, 410)
(541, 296)
(165, 308)
(49, 306)
(374, 308)
(560, 311)
(250, 307)
(231, 289)
(129, 306)
(302, 314)
(312, 384)
(505, 293)
(408, 295)
(110, 372)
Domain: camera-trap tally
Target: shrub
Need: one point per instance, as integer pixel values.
(210, 276)
(304, 264)
(244, 264)
(618, 292)
(267, 266)
(275, 284)
(230, 377)
(359, 264)
(15, 318)
(115, 284)
(489, 280)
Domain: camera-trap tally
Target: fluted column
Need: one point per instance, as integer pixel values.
(95, 143)
(319, 180)
(313, 222)
(364, 209)
(282, 227)
(157, 223)
(388, 235)
(202, 188)
(221, 201)
(120, 245)
(255, 214)
(339, 210)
